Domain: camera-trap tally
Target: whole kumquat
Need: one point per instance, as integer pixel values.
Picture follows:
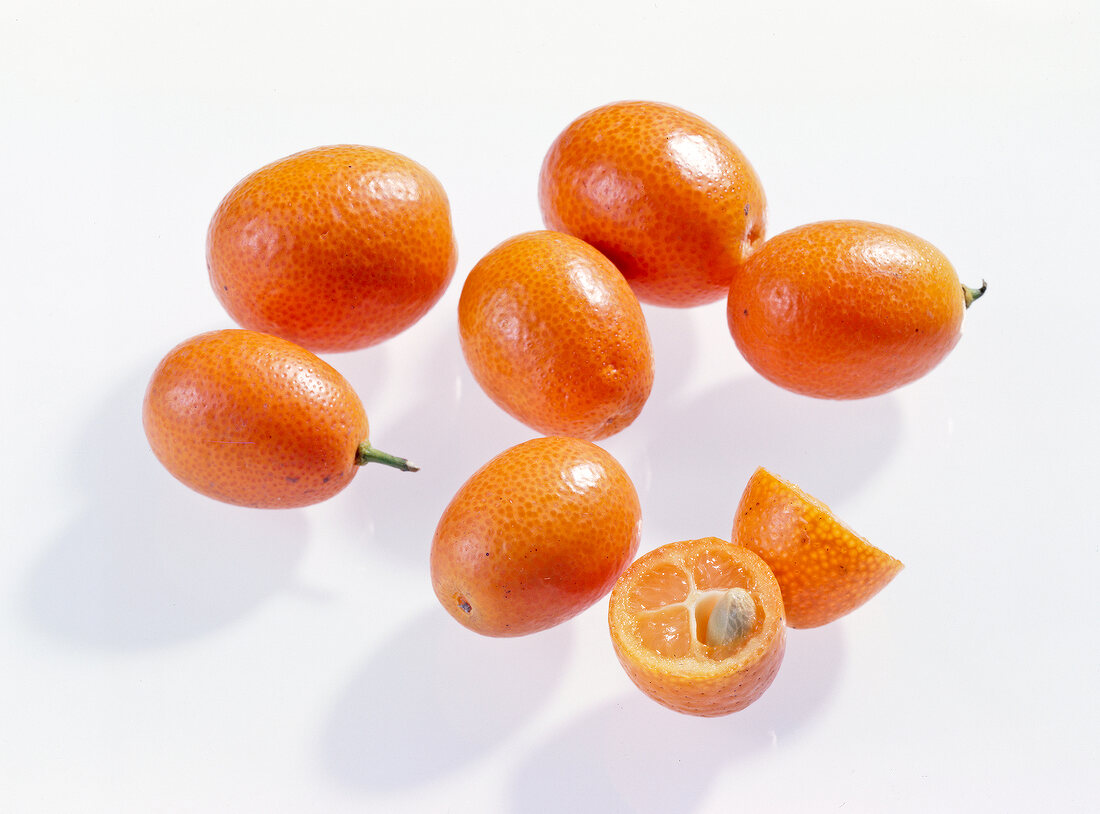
(824, 569)
(535, 536)
(846, 309)
(334, 248)
(664, 194)
(255, 420)
(554, 335)
(699, 626)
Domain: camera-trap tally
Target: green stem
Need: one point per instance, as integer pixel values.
(971, 294)
(366, 454)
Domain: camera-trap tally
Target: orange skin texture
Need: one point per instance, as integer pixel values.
(699, 681)
(254, 420)
(534, 537)
(823, 568)
(663, 193)
(335, 248)
(845, 309)
(555, 336)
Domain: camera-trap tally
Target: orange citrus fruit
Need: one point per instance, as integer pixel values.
(663, 193)
(255, 420)
(846, 309)
(535, 536)
(824, 569)
(335, 248)
(554, 335)
(699, 626)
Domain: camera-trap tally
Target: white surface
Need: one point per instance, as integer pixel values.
(160, 652)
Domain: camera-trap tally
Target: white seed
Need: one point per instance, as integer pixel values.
(732, 618)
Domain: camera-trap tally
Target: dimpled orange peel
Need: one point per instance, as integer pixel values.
(664, 194)
(824, 569)
(554, 335)
(846, 309)
(252, 419)
(699, 626)
(534, 537)
(334, 248)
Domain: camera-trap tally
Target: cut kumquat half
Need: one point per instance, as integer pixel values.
(824, 569)
(699, 626)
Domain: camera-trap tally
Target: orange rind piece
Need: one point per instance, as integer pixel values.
(699, 626)
(824, 569)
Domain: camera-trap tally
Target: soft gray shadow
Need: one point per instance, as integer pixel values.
(634, 755)
(434, 698)
(676, 346)
(696, 455)
(365, 369)
(146, 562)
(450, 431)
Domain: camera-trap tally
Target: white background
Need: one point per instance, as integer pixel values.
(161, 652)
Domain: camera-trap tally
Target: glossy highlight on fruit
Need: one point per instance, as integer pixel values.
(254, 420)
(534, 537)
(664, 194)
(824, 569)
(334, 248)
(699, 626)
(846, 309)
(554, 335)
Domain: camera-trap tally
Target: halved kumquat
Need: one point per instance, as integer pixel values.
(699, 626)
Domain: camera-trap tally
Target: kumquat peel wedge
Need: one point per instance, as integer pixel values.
(699, 626)
(824, 569)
